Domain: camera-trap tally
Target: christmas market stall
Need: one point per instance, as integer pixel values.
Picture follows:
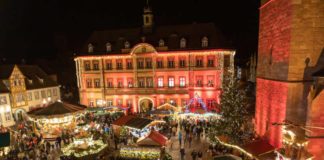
(137, 126)
(56, 117)
(154, 138)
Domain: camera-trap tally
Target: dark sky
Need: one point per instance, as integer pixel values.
(27, 27)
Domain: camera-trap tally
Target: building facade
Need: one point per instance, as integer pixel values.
(6, 118)
(147, 66)
(26, 87)
(145, 78)
(290, 51)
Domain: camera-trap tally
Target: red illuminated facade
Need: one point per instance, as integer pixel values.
(144, 78)
(287, 59)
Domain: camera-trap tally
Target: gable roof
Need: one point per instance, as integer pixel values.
(133, 122)
(122, 120)
(57, 108)
(31, 72)
(319, 73)
(154, 138)
(3, 87)
(171, 34)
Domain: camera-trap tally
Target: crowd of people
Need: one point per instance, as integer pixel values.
(30, 144)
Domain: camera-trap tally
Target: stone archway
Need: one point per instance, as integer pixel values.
(145, 104)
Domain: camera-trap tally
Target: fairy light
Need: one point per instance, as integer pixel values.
(234, 146)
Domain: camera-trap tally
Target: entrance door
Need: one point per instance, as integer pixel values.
(145, 105)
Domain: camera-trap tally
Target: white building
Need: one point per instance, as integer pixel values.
(26, 87)
(6, 118)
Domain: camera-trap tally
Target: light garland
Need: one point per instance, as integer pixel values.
(235, 146)
(71, 148)
(141, 153)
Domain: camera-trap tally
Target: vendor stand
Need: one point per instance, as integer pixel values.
(137, 126)
(56, 117)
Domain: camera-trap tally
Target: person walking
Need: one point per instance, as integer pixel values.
(194, 155)
(200, 155)
(190, 140)
(182, 153)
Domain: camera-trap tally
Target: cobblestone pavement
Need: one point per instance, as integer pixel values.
(198, 144)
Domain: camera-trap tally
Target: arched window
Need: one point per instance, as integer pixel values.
(161, 43)
(90, 48)
(204, 42)
(108, 47)
(183, 43)
(127, 45)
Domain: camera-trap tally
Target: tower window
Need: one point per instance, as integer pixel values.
(90, 48)
(183, 43)
(108, 47)
(204, 42)
(127, 45)
(161, 43)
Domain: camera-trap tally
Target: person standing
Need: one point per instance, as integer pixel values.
(180, 138)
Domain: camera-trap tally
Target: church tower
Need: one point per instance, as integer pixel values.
(147, 19)
(290, 50)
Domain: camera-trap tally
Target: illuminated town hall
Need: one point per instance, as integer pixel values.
(143, 68)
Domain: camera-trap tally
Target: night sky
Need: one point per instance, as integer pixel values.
(28, 28)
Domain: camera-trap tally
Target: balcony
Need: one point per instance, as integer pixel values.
(147, 90)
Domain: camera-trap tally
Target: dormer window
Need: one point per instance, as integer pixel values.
(30, 81)
(161, 43)
(183, 43)
(90, 48)
(127, 44)
(204, 42)
(108, 47)
(41, 80)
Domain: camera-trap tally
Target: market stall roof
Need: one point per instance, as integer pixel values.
(227, 157)
(133, 122)
(167, 106)
(56, 109)
(258, 147)
(138, 123)
(153, 139)
(123, 120)
(161, 111)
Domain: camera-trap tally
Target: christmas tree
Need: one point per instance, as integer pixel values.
(233, 110)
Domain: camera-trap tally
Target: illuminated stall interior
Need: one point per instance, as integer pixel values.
(56, 117)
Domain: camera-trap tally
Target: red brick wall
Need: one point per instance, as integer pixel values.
(274, 39)
(316, 118)
(271, 103)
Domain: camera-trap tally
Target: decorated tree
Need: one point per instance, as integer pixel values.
(234, 115)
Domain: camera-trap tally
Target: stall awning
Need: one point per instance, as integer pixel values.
(138, 123)
(258, 147)
(227, 157)
(153, 139)
(122, 120)
(133, 122)
(56, 109)
(167, 106)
